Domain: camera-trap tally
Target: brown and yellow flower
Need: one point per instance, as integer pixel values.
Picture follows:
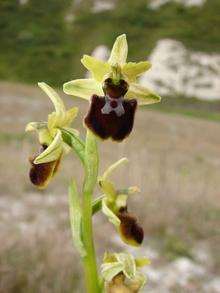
(113, 92)
(45, 162)
(114, 206)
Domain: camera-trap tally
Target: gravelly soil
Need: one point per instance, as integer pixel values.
(174, 160)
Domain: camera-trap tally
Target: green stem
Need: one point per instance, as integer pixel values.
(91, 173)
(90, 267)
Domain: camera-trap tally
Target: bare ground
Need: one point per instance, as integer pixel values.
(174, 160)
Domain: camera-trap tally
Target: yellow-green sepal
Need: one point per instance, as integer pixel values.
(143, 95)
(132, 70)
(98, 68)
(119, 51)
(110, 270)
(83, 88)
(54, 97)
(112, 167)
(108, 189)
(128, 262)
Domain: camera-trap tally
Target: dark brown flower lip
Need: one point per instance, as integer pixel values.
(130, 229)
(110, 125)
(40, 174)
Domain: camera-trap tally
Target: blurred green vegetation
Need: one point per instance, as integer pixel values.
(40, 41)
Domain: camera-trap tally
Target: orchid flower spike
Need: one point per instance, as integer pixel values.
(114, 206)
(45, 162)
(113, 91)
(121, 272)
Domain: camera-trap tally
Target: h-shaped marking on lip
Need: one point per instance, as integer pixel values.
(119, 109)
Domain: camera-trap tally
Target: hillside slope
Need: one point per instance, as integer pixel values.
(44, 40)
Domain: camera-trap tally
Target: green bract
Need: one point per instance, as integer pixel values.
(116, 68)
(49, 132)
(76, 218)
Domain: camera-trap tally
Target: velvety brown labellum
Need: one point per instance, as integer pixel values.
(110, 125)
(130, 230)
(40, 174)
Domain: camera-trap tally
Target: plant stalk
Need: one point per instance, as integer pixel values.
(89, 261)
(91, 173)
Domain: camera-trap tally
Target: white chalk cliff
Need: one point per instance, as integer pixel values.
(177, 70)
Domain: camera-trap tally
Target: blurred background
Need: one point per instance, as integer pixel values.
(174, 149)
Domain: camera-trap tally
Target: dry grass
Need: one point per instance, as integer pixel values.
(174, 160)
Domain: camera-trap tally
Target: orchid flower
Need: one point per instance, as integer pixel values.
(46, 161)
(113, 91)
(121, 272)
(114, 206)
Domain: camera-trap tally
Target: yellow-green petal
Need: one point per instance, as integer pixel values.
(141, 262)
(110, 270)
(52, 152)
(53, 121)
(108, 189)
(54, 97)
(70, 115)
(143, 95)
(132, 70)
(110, 215)
(129, 266)
(83, 88)
(119, 51)
(98, 68)
(35, 126)
(42, 130)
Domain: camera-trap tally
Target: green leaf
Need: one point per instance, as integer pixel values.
(98, 68)
(70, 138)
(91, 162)
(119, 51)
(142, 94)
(83, 88)
(52, 152)
(76, 218)
(97, 204)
